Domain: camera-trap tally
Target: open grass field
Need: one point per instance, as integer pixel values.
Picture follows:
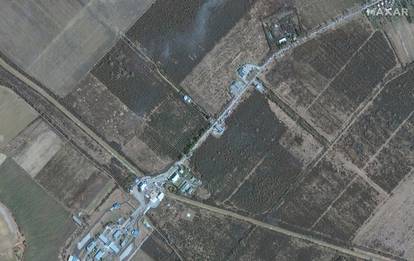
(43, 222)
(204, 236)
(315, 12)
(391, 228)
(15, 115)
(208, 236)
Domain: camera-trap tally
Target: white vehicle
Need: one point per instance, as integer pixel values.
(187, 99)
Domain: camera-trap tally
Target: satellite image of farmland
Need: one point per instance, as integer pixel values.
(207, 130)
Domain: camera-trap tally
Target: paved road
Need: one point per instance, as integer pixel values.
(229, 109)
(277, 55)
(72, 117)
(345, 250)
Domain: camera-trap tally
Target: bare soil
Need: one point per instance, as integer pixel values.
(71, 178)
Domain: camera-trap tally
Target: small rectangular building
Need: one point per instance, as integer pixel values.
(114, 248)
(99, 255)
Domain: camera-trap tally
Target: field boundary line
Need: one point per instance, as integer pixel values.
(362, 108)
(89, 132)
(334, 201)
(356, 252)
(251, 172)
(329, 84)
(386, 143)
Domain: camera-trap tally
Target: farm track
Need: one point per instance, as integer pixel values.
(297, 118)
(177, 88)
(352, 251)
(34, 89)
(61, 119)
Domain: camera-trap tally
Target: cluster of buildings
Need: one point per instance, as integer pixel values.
(246, 74)
(281, 28)
(113, 242)
(115, 236)
(182, 181)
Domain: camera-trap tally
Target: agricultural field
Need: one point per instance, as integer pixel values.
(44, 223)
(391, 227)
(176, 122)
(334, 199)
(352, 85)
(209, 81)
(155, 248)
(262, 244)
(401, 34)
(115, 122)
(198, 234)
(178, 34)
(327, 86)
(15, 115)
(314, 194)
(348, 212)
(56, 165)
(360, 172)
(71, 178)
(34, 147)
(325, 149)
(300, 77)
(201, 44)
(143, 256)
(66, 37)
(395, 160)
(376, 125)
(314, 13)
(259, 155)
(132, 79)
